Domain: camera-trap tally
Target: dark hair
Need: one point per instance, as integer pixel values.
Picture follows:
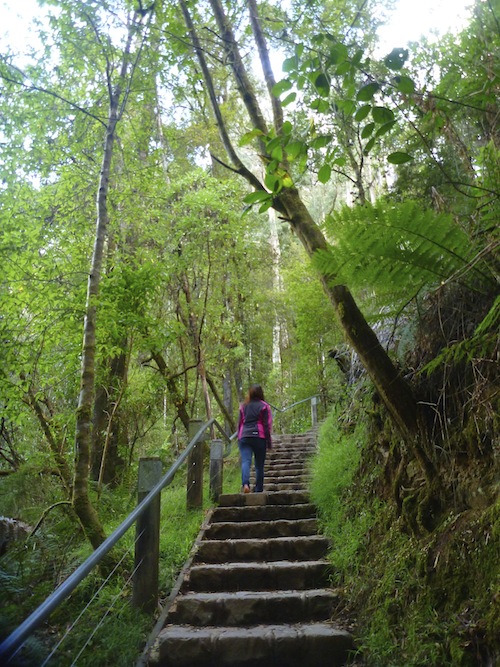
(255, 393)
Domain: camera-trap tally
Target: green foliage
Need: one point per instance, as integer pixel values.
(30, 572)
(341, 439)
(430, 601)
(304, 341)
(416, 600)
(396, 251)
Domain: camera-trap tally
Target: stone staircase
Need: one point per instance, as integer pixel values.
(255, 589)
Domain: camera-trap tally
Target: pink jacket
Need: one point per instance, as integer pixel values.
(255, 421)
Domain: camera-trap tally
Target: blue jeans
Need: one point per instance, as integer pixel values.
(257, 447)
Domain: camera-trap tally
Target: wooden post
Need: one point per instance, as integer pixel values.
(314, 411)
(216, 469)
(194, 495)
(147, 543)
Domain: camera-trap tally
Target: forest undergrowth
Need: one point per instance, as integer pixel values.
(100, 616)
(417, 593)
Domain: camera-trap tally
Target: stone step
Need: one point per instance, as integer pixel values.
(289, 455)
(292, 447)
(253, 607)
(301, 645)
(295, 438)
(285, 470)
(264, 512)
(284, 479)
(271, 549)
(291, 451)
(263, 498)
(290, 466)
(273, 476)
(253, 529)
(255, 590)
(256, 576)
(292, 486)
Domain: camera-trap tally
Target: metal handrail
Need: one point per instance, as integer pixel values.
(289, 407)
(10, 646)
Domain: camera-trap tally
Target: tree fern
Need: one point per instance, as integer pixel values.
(396, 250)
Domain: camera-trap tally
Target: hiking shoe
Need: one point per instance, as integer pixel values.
(246, 488)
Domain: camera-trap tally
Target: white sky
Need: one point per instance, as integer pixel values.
(414, 18)
(411, 20)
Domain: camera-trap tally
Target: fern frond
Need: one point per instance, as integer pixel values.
(394, 249)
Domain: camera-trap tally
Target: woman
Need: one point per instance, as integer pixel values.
(254, 436)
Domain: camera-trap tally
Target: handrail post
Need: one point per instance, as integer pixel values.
(314, 411)
(194, 491)
(216, 469)
(147, 544)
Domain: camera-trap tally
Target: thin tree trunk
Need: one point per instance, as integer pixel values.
(83, 430)
(83, 435)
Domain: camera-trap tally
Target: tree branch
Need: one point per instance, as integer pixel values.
(240, 167)
(39, 89)
(266, 64)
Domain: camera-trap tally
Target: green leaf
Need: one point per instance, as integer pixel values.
(289, 99)
(338, 53)
(369, 145)
(299, 50)
(367, 130)
(281, 87)
(258, 196)
(322, 84)
(356, 59)
(273, 182)
(340, 161)
(321, 142)
(301, 81)
(404, 84)
(266, 205)
(343, 68)
(399, 158)
(294, 148)
(362, 113)
(385, 128)
(319, 105)
(366, 93)
(287, 127)
(290, 64)
(396, 58)
(324, 173)
(271, 145)
(249, 136)
(302, 162)
(382, 115)
(277, 153)
(347, 106)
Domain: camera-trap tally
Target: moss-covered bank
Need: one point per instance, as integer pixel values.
(415, 597)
